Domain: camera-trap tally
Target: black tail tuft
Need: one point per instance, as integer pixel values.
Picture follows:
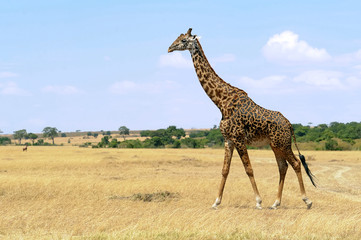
(303, 160)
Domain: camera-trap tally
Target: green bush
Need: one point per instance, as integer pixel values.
(331, 144)
(5, 141)
(114, 143)
(130, 144)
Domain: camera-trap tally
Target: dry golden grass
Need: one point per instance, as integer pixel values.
(83, 193)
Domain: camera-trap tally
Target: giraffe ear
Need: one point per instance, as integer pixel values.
(196, 37)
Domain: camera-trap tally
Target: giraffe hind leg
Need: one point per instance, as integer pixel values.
(296, 165)
(282, 167)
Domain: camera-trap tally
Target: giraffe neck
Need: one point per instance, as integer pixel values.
(215, 87)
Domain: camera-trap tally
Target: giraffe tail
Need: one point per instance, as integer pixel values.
(303, 161)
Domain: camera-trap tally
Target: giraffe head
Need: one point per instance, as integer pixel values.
(184, 42)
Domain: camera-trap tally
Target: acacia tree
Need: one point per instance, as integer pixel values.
(20, 134)
(50, 132)
(32, 136)
(123, 130)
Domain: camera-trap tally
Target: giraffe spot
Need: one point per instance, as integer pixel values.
(218, 93)
(206, 76)
(206, 88)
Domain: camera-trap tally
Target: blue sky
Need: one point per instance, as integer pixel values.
(99, 65)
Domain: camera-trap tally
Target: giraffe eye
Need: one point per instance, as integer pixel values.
(183, 40)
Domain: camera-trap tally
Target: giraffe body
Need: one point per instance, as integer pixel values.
(244, 123)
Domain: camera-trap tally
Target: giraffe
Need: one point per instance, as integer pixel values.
(245, 123)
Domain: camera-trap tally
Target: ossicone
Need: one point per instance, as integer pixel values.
(189, 32)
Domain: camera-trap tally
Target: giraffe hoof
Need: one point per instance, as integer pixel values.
(308, 202)
(275, 205)
(216, 203)
(215, 206)
(273, 208)
(258, 207)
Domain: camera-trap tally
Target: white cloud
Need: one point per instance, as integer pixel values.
(7, 74)
(129, 87)
(287, 47)
(11, 88)
(321, 78)
(62, 90)
(175, 59)
(353, 82)
(263, 83)
(358, 67)
(349, 58)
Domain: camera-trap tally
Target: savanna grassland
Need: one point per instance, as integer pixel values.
(82, 193)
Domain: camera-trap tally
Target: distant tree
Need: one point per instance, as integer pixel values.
(176, 144)
(177, 132)
(1, 131)
(104, 141)
(20, 134)
(157, 142)
(95, 135)
(77, 130)
(50, 132)
(89, 134)
(215, 137)
(145, 133)
(4, 140)
(114, 143)
(63, 134)
(331, 144)
(32, 136)
(123, 130)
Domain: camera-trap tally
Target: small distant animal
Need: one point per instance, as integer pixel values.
(25, 148)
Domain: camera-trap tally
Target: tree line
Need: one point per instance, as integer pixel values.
(51, 133)
(344, 131)
(328, 135)
(48, 132)
(171, 137)
(331, 134)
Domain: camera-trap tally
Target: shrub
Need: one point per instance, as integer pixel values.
(131, 144)
(194, 143)
(114, 143)
(331, 144)
(176, 144)
(5, 141)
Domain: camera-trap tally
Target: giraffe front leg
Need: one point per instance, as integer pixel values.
(242, 151)
(229, 147)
